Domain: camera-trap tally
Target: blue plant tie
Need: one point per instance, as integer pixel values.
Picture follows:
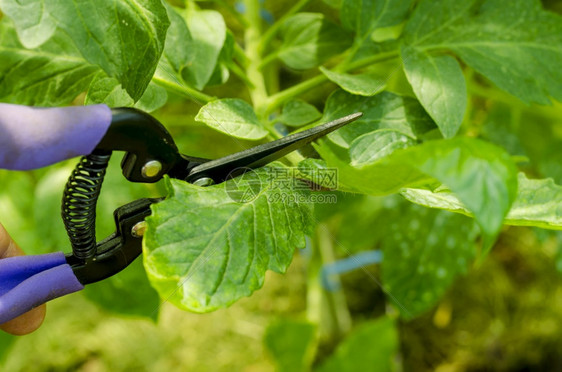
(265, 14)
(346, 265)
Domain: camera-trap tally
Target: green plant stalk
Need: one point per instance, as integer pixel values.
(252, 38)
(236, 70)
(278, 99)
(240, 55)
(357, 43)
(184, 91)
(272, 31)
(294, 158)
(338, 305)
(256, 78)
(327, 309)
(314, 292)
(269, 59)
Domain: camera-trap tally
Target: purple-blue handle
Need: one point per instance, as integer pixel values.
(33, 137)
(29, 281)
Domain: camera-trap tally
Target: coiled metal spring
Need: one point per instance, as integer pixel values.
(79, 203)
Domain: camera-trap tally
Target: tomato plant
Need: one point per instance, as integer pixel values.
(460, 137)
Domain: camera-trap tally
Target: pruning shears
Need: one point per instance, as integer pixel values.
(35, 137)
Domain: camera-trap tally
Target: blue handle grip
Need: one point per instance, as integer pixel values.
(36, 137)
(29, 281)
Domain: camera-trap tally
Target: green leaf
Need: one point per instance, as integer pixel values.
(376, 145)
(33, 22)
(193, 45)
(360, 84)
(153, 98)
(105, 89)
(297, 113)
(502, 43)
(370, 347)
(387, 34)
(204, 250)
(309, 40)
(425, 250)
(440, 86)
(222, 72)
(292, 344)
(124, 38)
(315, 170)
(233, 117)
(538, 203)
(208, 30)
(178, 39)
(364, 16)
(480, 174)
(362, 180)
(51, 75)
(127, 293)
(65, 65)
(383, 111)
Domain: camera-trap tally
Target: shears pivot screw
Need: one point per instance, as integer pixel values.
(139, 229)
(151, 169)
(203, 181)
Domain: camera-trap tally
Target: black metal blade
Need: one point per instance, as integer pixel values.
(220, 170)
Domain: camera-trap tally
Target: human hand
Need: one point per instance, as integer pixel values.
(31, 320)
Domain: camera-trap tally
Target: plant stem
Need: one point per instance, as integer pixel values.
(339, 312)
(254, 73)
(314, 291)
(184, 91)
(294, 158)
(274, 133)
(270, 33)
(267, 60)
(377, 58)
(278, 99)
(236, 70)
(239, 55)
(352, 52)
(252, 38)
(328, 309)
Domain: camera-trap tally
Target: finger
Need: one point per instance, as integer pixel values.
(8, 248)
(25, 323)
(30, 321)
